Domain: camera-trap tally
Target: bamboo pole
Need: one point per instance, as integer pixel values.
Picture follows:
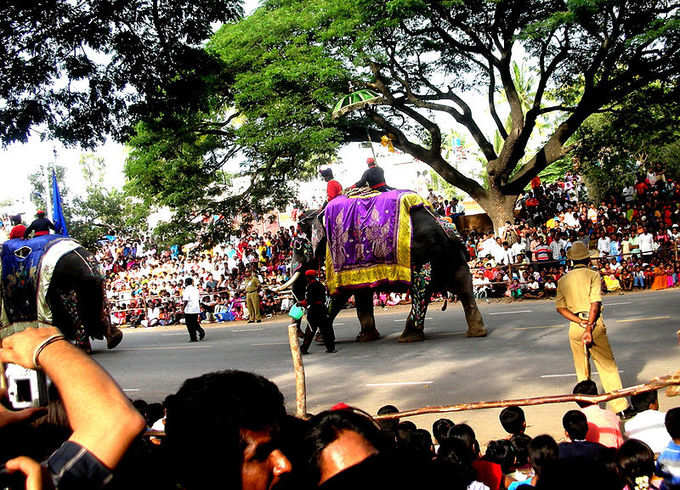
(299, 368)
(655, 384)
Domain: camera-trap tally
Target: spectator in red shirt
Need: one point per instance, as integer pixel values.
(18, 229)
(333, 188)
(641, 188)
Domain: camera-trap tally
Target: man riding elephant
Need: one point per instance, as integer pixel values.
(437, 261)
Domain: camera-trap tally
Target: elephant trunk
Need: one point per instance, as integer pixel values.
(291, 281)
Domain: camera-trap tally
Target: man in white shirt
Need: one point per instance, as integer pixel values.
(603, 245)
(192, 309)
(518, 248)
(569, 219)
(648, 425)
(556, 247)
(507, 256)
(646, 242)
(628, 193)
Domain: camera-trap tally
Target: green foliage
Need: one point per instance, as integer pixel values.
(106, 212)
(41, 185)
(644, 127)
(283, 68)
(82, 70)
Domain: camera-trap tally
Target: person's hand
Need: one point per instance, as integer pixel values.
(18, 348)
(587, 337)
(30, 468)
(8, 417)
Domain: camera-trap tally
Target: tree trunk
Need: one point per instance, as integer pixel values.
(499, 207)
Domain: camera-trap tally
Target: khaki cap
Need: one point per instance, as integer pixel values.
(578, 251)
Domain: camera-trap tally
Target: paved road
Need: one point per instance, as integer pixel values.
(525, 354)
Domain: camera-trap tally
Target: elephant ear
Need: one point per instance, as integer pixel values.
(318, 233)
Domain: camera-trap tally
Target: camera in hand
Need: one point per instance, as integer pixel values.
(11, 481)
(26, 388)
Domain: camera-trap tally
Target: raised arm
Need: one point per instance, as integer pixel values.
(103, 420)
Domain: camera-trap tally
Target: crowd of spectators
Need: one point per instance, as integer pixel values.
(230, 429)
(633, 235)
(145, 283)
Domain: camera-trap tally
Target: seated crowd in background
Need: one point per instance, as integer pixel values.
(633, 234)
(230, 429)
(145, 284)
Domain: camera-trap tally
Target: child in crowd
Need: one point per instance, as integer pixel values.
(668, 463)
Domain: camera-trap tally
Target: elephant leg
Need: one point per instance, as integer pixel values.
(463, 288)
(364, 304)
(414, 331)
(337, 303)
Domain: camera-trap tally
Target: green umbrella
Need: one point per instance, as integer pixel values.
(356, 100)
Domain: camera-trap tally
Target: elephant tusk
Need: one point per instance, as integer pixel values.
(290, 282)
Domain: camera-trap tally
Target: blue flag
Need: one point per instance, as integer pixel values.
(57, 210)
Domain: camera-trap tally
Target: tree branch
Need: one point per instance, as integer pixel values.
(492, 103)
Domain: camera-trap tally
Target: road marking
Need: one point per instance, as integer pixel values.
(131, 389)
(621, 303)
(401, 383)
(642, 318)
(174, 347)
(339, 324)
(544, 326)
(271, 343)
(172, 334)
(568, 375)
(510, 312)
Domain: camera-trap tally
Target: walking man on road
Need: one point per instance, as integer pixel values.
(192, 309)
(579, 300)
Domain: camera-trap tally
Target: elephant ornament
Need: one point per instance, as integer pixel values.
(397, 244)
(53, 280)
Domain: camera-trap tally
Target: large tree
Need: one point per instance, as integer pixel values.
(81, 70)
(426, 58)
(431, 63)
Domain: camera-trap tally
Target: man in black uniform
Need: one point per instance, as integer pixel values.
(41, 225)
(374, 177)
(317, 314)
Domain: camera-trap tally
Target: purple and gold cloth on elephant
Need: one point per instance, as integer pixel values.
(369, 239)
(26, 268)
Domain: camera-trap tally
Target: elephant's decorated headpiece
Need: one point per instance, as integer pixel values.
(302, 253)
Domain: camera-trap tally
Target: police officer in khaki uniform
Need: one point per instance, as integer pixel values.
(252, 297)
(579, 300)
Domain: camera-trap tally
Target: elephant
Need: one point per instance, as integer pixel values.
(76, 298)
(438, 264)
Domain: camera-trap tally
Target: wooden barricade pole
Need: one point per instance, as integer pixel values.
(655, 384)
(298, 366)
(670, 382)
